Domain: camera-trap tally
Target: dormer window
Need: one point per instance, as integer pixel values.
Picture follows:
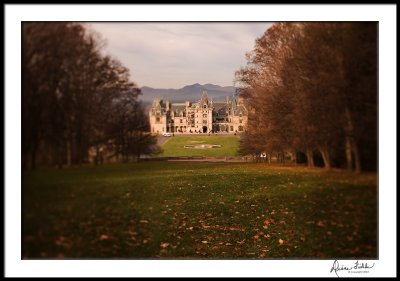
(205, 106)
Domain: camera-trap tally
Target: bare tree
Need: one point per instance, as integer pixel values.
(70, 92)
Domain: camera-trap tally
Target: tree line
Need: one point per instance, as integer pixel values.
(312, 91)
(75, 98)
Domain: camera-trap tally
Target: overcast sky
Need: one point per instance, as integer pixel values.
(172, 55)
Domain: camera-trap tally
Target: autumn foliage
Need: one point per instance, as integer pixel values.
(312, 90)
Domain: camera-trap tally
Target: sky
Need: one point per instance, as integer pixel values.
(172, 55)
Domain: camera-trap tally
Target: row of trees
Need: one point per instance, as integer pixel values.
(75, 98)
(312, 88)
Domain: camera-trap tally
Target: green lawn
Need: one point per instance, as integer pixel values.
(174, 147)
(198, 211)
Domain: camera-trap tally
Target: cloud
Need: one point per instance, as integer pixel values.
(171, 55)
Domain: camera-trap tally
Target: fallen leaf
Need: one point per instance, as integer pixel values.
(233, 228)
(204, 242)
(144, 221)
(164, 245)
(281, 241)
(104, 237)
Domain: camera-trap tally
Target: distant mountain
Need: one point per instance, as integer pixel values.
(190, 92)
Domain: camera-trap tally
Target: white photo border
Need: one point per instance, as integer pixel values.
(385, 266)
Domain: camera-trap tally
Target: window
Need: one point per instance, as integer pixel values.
(180, 120)
(204, 115)
(205, 106)
(240, 128)
(240, 120)
(157, 119)
(231, 128)
(204, 121)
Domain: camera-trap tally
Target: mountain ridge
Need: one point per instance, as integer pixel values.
(189, 92)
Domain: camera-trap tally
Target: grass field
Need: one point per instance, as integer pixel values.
(174, 147)
(198, 211)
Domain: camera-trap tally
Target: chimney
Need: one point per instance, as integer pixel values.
(167, 105)
(187, 103)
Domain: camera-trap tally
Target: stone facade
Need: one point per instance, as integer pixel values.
(204, 116)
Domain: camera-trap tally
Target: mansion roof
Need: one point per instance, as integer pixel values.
(233, 106)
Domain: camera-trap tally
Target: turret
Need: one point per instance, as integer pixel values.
(204, 98)
(167, 105)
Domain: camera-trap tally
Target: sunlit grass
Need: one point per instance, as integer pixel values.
(198, 210)
(175, 146)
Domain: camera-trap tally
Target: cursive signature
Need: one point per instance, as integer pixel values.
(336, 267)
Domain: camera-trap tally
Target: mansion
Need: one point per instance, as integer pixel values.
(204, 116)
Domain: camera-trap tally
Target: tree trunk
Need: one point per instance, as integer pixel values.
(352, 141)
(33, 159)
(59, 158)
(96, 158)
(295, 158)
(349, 154)
(310, 158)
(327, 159)
(357, 158)
(69, 153)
